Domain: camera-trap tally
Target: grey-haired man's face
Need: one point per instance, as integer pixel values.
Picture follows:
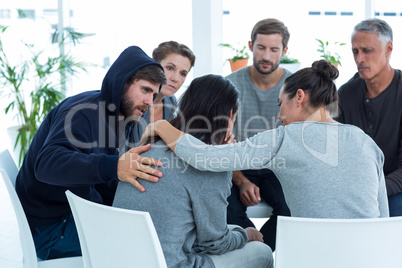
(370, 55)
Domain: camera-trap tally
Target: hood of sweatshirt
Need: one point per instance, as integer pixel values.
(130, 61)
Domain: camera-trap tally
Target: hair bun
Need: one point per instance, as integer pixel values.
(325, 69)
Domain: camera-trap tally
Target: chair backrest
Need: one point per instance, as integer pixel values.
(313, 243)
(27, 244)
(8, 173)
(8, 164)
(115, 237)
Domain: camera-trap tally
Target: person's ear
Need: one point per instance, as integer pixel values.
(388, 48)
(300, 97)
(285, 50)
(250, 46)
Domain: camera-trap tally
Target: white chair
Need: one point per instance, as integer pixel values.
(8, 164)
(115, 237)
(261, 210)
(334, 243)
(8, 168)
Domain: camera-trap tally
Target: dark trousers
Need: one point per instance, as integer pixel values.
(58, 240)
(395, 205)
(271, 192)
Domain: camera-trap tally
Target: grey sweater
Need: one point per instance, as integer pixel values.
(188, 209)
(258, 108)
(326, 170)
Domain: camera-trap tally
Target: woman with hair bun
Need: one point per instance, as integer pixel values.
(326, 169)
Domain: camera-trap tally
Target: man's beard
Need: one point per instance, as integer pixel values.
(127, 109)
(257, 67)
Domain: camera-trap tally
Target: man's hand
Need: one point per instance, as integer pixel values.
(132, 166)
(254, 234)
(249, 192)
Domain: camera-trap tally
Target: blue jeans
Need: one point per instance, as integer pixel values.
(271, 192)
(395, 205)
(57, 240)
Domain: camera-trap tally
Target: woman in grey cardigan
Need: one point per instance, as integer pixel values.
(326, 169)
(188, 206)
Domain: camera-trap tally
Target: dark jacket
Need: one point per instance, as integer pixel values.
(76, 147)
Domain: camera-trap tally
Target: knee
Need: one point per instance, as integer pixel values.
(281, 208)
(262, 254)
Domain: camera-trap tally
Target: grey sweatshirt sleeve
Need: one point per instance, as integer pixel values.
(256, 152)
(382, 190)
(382, 197)
(209, 204)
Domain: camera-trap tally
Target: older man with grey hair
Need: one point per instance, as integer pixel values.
(372, 100)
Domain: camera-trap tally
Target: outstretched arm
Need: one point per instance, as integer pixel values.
(162, 128)
(253, 153)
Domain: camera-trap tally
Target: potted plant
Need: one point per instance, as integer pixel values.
(327, 52)
(240, 58)
(291, 64)
(32, 82)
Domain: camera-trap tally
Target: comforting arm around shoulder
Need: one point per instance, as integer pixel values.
(168, 133)
(254, 153)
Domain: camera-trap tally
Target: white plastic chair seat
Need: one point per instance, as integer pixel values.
(71, 262)
(261, 210)
(334, 243)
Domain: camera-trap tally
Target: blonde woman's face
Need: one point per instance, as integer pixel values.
(176, 68)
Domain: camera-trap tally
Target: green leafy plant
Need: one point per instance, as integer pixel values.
(327, 51)
(238, 53)
(33, 83)
(287, 59)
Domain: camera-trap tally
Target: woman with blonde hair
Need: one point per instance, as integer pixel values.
(177, 60)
